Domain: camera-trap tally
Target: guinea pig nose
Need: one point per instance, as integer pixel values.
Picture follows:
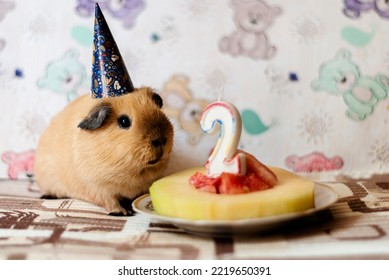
(159, 142)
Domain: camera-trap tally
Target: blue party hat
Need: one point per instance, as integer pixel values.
(109, 73)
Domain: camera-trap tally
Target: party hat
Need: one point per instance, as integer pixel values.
(109, 73)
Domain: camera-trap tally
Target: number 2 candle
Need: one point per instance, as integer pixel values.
(224, 157)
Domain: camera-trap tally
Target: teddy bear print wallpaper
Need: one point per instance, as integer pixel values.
(310, 78)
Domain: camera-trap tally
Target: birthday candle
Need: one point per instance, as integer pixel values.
(224, 157)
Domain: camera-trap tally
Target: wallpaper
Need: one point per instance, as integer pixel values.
(310, 78)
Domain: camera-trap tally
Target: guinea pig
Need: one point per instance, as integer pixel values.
(106, 151)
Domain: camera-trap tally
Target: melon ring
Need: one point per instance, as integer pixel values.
(173, 196)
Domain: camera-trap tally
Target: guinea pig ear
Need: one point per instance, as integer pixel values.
(96, 117)
(157, 99)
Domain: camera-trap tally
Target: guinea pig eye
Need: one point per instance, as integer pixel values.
(157, 100)
(124, 122)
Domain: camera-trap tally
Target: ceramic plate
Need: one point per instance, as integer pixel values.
(325, 196)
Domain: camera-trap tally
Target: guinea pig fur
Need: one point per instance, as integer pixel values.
(107, 151)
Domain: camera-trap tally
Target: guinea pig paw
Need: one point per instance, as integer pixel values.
(51, 196)
(121, 214)
(119, 206)
(126, 203)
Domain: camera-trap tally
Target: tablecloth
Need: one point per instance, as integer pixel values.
(355, 227)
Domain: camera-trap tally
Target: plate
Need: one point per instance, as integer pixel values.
(325, 196)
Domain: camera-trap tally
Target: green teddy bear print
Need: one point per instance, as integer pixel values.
(65, 75)
(340, 76)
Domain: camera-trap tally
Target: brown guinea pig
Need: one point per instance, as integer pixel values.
(107, 151)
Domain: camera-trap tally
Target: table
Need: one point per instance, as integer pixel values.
(355, 227)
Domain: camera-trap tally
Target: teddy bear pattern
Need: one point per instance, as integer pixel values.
(340, 76)
(313, 162)
(354, 8)
(5, 7)
(125, 10)
(252, 19)
(180, 104)
(65, 75)
(2, 46)
(19, 163)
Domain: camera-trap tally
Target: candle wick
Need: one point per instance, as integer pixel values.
(221, 94)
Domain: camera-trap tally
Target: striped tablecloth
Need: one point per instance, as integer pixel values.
(356, 227)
